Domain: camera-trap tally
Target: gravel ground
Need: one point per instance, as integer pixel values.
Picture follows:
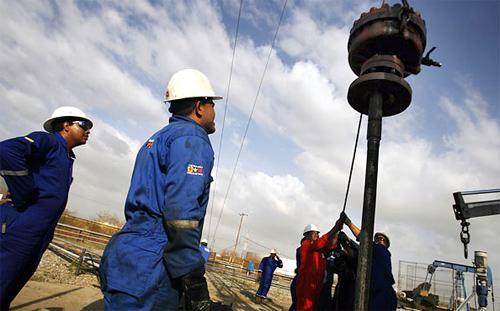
(54, 269)
(224, 286)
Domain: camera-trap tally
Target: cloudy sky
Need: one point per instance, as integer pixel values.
(113, 59)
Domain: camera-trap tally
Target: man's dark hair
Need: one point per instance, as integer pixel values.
(58, 124)
(183, 107)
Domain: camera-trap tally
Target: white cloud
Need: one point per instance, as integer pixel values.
(114, 63)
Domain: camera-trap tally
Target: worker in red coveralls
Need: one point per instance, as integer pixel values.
(313, 264)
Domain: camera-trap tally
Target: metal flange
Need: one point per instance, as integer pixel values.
(384, 63)
(390, 30)
(396, 92)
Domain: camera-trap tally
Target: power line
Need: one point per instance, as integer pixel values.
(249, 120)
(92, 200)
(266, 247)
(224, 120)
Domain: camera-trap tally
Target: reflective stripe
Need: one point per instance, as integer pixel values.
(183, 224)
(14, 173)
(29, 139)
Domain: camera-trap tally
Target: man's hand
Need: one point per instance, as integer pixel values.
(340, 222)
(347, 221)
(4, 198)
(259, 276)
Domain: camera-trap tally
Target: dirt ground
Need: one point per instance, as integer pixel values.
(55, 287)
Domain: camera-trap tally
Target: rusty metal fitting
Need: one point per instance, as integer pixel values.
(388, 30)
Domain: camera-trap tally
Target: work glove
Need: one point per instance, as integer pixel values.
(338, 225)
(218, 306)
(195, 289)
(212, 306)
(347, 221)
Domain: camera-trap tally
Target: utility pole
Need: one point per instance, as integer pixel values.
(238, 234)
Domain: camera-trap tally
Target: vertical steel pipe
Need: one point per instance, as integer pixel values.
(374, 134)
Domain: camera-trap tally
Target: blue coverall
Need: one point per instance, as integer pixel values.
(38, 171)
(250, 267)
(267, 267)
(205, 252)
(165, 210)
(382, 295)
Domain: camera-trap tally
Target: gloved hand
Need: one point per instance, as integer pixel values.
(338, 224)
(195, 289)
(347, 221)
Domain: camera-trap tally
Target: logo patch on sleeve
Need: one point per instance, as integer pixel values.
(194, 169)
(149, 144)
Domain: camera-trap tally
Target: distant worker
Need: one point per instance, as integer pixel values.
(37, 169)
(313, 264)
(266, 270)
(205, 251)
(155, 258)
(382, 294)
(250, 267)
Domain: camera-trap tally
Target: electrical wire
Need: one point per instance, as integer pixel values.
(224, 120)
(249, 120)
(92, 200)
(263, 246)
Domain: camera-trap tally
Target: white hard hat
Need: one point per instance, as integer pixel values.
(204, 241)
(65, 112)
(381, 234)
(273, 251)
(189, 83)
(310, 227)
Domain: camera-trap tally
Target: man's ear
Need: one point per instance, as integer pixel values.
(66, 126)
(198, 109)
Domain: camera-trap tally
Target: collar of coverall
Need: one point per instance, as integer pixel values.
(61, 139)
(183, 118)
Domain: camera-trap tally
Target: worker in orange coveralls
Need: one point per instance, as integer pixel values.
(313, 263)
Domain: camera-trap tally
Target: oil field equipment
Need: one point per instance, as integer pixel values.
(385, 45)
(421, 297)
(465, 210)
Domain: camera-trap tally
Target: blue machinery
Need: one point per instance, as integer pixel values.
(483, 279)
(463, 211)
(459, 299)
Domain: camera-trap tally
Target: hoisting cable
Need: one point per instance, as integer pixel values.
(352, 162)
(224, 120)
(248, 122)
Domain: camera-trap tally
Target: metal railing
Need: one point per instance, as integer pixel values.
(81, 235)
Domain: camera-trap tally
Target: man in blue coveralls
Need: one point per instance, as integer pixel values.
(205, 251)
(155, 257)
(382, 294)
(37, 169)
(266, 270)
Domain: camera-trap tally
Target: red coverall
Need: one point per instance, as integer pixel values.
(312, 271)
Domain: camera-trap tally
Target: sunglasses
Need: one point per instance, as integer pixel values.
(85, 125)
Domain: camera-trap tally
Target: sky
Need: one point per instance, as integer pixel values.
(113, 60)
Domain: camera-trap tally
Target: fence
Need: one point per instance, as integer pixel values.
(411, 275)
